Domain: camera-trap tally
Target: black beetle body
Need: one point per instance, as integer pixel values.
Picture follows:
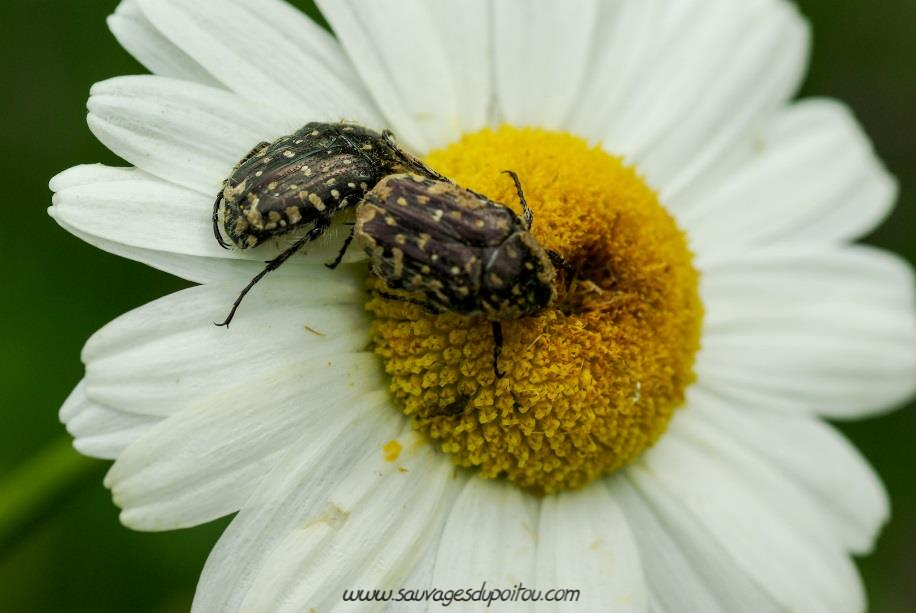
(463, 252)
(300, 181)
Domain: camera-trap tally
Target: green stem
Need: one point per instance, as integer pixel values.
(30, 491)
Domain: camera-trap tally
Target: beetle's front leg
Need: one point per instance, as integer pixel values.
(216, 232)
(558, 261)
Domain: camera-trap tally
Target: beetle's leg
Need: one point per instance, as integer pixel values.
(527, 214)
(426, 306)
(497, 347)
(560, 262)
(319, 229)
(343, 250)
(216, 232)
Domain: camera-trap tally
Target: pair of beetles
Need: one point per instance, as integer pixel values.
(425, 235)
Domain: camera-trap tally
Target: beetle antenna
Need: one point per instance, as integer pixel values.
(527, 214)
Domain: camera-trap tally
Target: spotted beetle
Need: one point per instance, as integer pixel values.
(301, 181)
(461, 251)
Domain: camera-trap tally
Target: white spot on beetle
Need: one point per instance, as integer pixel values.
(293, 214)
(317, 202)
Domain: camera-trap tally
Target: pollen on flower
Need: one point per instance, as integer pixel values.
(590, 383)
(392, 451)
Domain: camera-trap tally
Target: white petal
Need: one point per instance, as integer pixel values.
(204, 462)
(722, 68)
(421, 576)
(815, 458)
(296, 490)
(727, 522)
(464, 33)
(585, 543)
(136, 209)
(370, 534)
(684, 575)
(624, 43)
(267, 51)
(814, 178)
(830, 330)
(161, 357)
(426, 63)
(779, 496)
(133, 214)
(81, 179)
(186, 133)
(99, 431)
(89, 174)
(198, 270)
(143, 41)
(490, 537)
(540, 52)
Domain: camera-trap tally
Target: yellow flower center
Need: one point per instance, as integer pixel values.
(589, 383)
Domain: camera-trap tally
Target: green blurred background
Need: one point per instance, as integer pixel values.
(74, 555)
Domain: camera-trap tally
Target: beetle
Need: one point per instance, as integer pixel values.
(462, 252)
(300, 181)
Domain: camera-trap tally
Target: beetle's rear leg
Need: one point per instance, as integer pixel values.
(320, 228)
(219, 235)
(343, 249)
(497, 347)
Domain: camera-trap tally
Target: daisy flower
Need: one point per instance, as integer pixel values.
(657, 442)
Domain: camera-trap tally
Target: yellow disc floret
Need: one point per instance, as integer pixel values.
(591, 382)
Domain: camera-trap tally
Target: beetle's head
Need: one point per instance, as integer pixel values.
(538, 286)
